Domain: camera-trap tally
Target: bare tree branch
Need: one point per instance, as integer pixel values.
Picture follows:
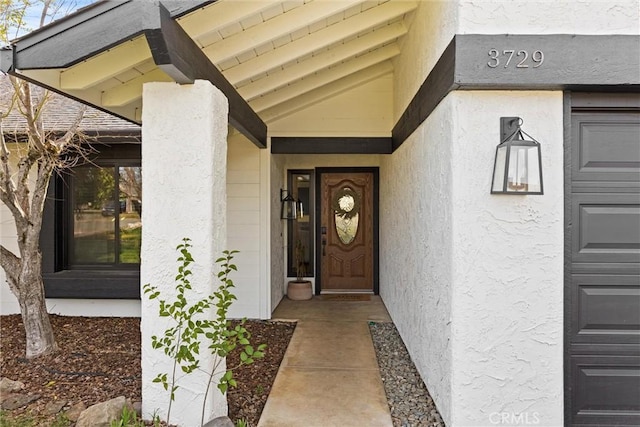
(11, 265)
(7, 188)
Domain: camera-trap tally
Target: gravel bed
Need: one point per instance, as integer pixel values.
(409, 401)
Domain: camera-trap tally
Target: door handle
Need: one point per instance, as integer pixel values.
(324, 245)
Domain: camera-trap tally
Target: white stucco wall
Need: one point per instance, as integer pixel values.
(184, 160)
(502, 320)
(483, 327)
(507, 266)
(416, 251)
(548, 17)
(431, 29)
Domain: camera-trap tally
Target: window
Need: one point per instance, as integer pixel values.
(91, 231)
(106, 223)
(300, 231)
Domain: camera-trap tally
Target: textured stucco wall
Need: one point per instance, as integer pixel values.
(432, 27)
(507, 266)
(184, 159)
(484, 329)
(548, 17)
(416, 249)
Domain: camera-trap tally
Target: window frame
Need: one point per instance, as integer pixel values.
(291, 272)
(100, 281)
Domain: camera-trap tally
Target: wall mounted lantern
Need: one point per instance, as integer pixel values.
(289, 207)
(518, 165)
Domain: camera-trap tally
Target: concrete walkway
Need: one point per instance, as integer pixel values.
(329, 375)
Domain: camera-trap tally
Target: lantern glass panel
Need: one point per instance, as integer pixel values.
(498, 173)
(288, 210)
(523, 176)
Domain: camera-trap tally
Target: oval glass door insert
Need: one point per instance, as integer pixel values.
(346, 205)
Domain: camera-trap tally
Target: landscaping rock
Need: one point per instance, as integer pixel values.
(18, 400)
(74, 412)
(10, 386)
(220, 422)
(54, 407)
(101, 414)
(137, 406)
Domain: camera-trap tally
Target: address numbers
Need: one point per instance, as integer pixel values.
(511, 58)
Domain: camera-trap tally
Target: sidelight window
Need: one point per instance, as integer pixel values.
(300, 231)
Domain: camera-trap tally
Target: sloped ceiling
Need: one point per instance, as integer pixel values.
(277, 54)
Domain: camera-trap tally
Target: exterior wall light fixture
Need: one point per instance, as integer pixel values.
(289, 206)
(518, 165)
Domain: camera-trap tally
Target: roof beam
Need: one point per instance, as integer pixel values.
(319, 40)
(274, 28)
(322, 60)
(332, 89)
(105, 65)
(330, 145)
(181, 58)
(221, 14)
(327, 76)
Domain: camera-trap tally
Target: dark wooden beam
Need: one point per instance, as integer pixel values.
(330, 145)
(524, 62)
(181, 58)
(436, 86)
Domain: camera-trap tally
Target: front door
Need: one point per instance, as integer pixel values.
(347, 231)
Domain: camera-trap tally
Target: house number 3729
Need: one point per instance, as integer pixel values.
(515, 58)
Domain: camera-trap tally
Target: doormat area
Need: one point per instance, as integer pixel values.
(345, 297)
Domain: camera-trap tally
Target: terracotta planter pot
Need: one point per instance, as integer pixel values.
(299, 291)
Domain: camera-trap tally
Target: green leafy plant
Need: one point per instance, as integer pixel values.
(128, 418)
(182, 341)
(61, 420)
(242, 423)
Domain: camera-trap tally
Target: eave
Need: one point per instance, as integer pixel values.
(43, 55)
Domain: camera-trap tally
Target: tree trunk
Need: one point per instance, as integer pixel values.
(38, 330)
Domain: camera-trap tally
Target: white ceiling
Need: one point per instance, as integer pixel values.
(278, 54)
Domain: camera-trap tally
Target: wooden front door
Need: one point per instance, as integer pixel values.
(347, 232)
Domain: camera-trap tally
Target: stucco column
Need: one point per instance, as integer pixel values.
(184, 155)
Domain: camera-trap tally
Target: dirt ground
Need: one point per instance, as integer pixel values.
(99, 359)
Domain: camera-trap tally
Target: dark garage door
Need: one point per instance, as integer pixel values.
(602, 370)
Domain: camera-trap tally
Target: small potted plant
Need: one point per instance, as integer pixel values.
(299, 289)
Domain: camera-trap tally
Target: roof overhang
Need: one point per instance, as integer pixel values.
(133, 29)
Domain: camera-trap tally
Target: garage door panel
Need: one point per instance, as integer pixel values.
(603, 261)
(606, 309)
(606, 228)
(606, 148)
(607, 390)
